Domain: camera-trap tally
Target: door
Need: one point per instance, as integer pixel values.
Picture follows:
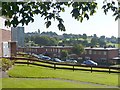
(6, 49)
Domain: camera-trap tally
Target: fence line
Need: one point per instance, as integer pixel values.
(56, 64)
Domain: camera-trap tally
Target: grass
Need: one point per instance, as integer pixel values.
(42, 72)
(29, 83)
(116, 45)
(0, 83)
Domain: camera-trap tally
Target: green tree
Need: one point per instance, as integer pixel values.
(78, 49)
(84, 36)
(94, 41)
(51, 10)
(85, 43)
(102, 42)
(39, 31)
(64, 54)
(44, 40)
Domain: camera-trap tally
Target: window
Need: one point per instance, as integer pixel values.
(99, 52)
(105, 53)
(103, 59)
(36, 50)
(58, 50)
(94, 52)
(90, 51)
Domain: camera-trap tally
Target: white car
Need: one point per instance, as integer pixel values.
(90, 62)
(71, 61)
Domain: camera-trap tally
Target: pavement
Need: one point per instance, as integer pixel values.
(3, 74)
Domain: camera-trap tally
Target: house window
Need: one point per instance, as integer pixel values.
(103, 59)
(90, 51)
(36, 50)
(105, 53)
(58, 50)
(94, 52)
(99, 52)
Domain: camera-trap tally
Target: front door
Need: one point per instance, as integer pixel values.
(6, 49)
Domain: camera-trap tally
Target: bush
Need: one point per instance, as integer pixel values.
(6, 64)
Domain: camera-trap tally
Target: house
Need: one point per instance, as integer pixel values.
(56, 50)
(101, 55)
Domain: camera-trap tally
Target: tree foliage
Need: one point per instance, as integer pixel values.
(78, 49)
(43, 40)
(51, 10)
(64, 54)
(94, 41)
(6, 64)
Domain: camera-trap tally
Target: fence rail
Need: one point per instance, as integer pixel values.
(56, 65)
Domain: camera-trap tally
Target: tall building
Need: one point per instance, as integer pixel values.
(18, 35)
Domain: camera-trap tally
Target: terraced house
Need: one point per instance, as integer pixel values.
(100, 55)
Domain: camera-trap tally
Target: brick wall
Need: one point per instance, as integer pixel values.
(0, 43)
(5, 35)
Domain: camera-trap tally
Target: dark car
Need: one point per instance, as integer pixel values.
(90, 62)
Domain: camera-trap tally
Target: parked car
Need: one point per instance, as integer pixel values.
(41, 55)
(45, 58)
(56, 60)
(71, 60)
(90, 62)
(35, 55)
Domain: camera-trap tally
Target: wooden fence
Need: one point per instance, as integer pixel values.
(70, 66)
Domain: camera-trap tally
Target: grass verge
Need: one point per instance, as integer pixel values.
(24, 71)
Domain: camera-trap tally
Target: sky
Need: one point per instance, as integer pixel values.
(99, 24)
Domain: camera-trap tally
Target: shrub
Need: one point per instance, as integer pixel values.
(6, 64)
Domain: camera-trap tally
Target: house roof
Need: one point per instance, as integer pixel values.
(101, 48)
(58, 46)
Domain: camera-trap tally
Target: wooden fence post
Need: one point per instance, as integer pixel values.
(73, 67)
(28, 62)
(91, 69)
(109, 70)
(54, 66)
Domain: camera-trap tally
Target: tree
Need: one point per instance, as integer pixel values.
(52, 10)
(84, 36)
(85, 43)
(44, 40)
(78, 49)
(49, 34)
(39, 31)
(102, 42)
(94, 41)
(95, 36)
(64, 54)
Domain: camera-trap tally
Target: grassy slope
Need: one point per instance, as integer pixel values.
(32, 83)
(41, 72)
